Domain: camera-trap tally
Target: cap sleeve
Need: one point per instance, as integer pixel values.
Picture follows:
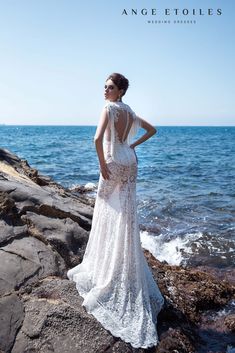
(112, 111)
(107, 106)
(111, 115)
(134, 127)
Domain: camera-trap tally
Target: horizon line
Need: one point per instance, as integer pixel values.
(67, 125)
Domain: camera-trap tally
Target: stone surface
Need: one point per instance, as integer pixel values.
(8, 232)
(189, 290)
(230, 322)
(11, 319)
(174, 340)
(54, 306)
(25, 261)
(65, 235)
(44, 229)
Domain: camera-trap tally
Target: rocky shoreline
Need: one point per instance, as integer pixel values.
(44, 229)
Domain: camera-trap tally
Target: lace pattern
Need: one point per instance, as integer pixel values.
(113, 278)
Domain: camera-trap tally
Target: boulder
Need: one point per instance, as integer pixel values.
(65, 235)
(25, 261)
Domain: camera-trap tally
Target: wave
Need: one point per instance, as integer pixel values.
(175, 251)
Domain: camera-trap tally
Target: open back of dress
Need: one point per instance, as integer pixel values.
(123, 121)
(114, 278)
(122, 126)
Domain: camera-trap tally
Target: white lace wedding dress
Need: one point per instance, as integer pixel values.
(114, 278)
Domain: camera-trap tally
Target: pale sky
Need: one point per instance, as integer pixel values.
(56, 55)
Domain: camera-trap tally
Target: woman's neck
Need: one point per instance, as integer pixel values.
(117, 101)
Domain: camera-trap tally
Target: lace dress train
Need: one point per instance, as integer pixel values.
(114, 278)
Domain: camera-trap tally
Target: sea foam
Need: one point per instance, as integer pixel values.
(173, 251)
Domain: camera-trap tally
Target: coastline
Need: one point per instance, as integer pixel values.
(44, 230)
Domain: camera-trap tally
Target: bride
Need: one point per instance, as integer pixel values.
(114, 278)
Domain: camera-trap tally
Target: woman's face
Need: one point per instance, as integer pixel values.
(111, 91)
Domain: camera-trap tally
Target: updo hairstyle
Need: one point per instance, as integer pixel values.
(120, 81)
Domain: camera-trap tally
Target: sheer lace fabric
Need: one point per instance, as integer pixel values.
(114, 278)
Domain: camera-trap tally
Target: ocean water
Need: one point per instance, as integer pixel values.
(185, 186)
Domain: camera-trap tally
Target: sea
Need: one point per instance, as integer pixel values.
(185, 185)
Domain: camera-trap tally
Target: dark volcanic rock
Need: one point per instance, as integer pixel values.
(56, 321)
(189, 290)
(12, 317)
(174, 340)
(9, 232)
(65, 235)
(191, 296)
(44, 229)
(230, 322)
(6, 204)
(25, 261)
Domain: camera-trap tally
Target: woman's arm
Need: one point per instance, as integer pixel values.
(150, 131)
(98, 140)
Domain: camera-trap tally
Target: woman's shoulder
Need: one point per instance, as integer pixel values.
(109, 104)
(118, 105)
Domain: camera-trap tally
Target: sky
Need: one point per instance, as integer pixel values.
(56, 55)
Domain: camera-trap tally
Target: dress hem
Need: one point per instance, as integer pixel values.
(112, 332)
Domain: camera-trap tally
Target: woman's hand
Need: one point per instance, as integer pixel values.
(104, 170)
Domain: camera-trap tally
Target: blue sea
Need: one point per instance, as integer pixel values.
(185, 186)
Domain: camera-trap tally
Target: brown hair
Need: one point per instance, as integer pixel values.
(120, 81)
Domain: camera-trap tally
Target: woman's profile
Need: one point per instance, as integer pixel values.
(113, 278)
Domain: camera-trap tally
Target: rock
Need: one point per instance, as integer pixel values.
(222, 274)
(25, 261)
(175, 341)
(8, 211)
(12, 316)
(84, 188)
(6, 204)
(51, 199)
(9, 233)
(230, 322)
(65, 235)
(56, 321)
(22, 168)
(190, 291)
(32, 197)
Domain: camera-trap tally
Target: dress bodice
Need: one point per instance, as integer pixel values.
(123, 123)
(122, 126)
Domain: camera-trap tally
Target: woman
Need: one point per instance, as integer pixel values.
(114, 278)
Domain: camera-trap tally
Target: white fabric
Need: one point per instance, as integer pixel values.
(114, 278)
